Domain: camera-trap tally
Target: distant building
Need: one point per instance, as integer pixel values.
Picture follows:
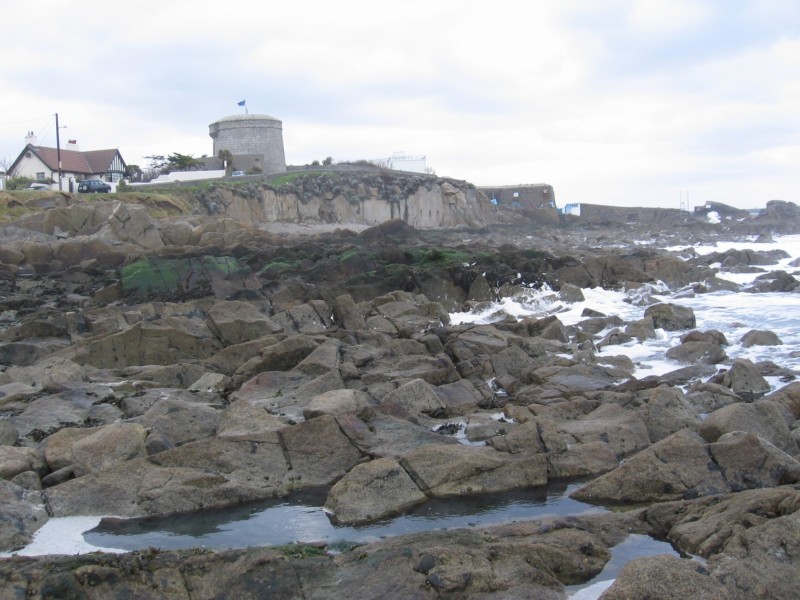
(252, 143)
(536, 196)
(41, 163)
(573, 209)
(400, 161)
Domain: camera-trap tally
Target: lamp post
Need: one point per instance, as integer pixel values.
(58, 153)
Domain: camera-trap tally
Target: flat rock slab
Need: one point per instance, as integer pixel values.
(50, 413)
(386, 435)
(460, 470)
(318, 451)
(287, 393)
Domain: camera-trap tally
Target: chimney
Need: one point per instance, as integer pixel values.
(72, 145)
(30, 138)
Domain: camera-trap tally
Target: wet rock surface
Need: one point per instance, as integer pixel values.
(154, 364)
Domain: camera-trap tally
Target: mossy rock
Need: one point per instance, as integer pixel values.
(178, 276)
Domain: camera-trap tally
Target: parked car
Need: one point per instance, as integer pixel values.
(39, 186)
(92, 186)
(237, 174)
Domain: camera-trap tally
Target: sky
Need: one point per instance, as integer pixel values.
(668, 103)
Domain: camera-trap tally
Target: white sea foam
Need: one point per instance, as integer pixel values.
(732, 313)
(592, 592)
(62, 535)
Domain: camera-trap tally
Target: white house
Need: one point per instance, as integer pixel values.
(41, 163)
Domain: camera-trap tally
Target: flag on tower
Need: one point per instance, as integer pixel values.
(242, 103)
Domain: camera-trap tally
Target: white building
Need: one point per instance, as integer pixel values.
(400, 161)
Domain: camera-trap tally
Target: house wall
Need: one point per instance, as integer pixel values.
(30, 166)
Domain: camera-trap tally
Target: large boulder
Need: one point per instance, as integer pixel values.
(676, 467)
(108, 446)
(337, 402)
(181, 421)
(235, 322)
(671, 317)
(774, 281)
(591, 458)
(417, 397)
(762, 558)
(206, 473)
(691, 353)
(459, 470)
(744, 379)
(318, 451)
(50, 413)
(131, 223)
(749, 538)
(757, 337)
(15, 460)
(764, 419)
(283, 355)
(372, 491)
(57, 447)
(163, 342)
(787, 396)
(748, 461)
(665, 577)
(667, 411)
(287, 394)
(241, 418)
(388, 431)
(622, 429)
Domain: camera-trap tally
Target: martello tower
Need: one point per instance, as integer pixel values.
(255, 142)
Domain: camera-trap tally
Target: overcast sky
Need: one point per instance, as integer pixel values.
(626, 102)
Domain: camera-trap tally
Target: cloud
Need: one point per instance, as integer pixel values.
(662, 18)
(624, 101)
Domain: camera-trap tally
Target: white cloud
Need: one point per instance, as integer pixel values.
(625, 101)
(667, 17)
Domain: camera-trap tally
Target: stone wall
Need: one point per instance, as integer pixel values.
(532, 197)
(251, 135)
(598, 213)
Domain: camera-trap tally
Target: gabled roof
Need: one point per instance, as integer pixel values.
(72, 161)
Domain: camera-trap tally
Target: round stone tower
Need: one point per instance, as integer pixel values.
(255, 142)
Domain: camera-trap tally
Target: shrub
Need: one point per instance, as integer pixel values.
(18, 183)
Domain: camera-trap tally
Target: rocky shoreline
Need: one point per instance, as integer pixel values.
(156, 361)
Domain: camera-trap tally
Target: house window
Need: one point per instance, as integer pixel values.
(40, 176)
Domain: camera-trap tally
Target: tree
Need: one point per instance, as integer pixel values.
(156, 165)
(135, 173)
(183, 162)
(328, 161)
